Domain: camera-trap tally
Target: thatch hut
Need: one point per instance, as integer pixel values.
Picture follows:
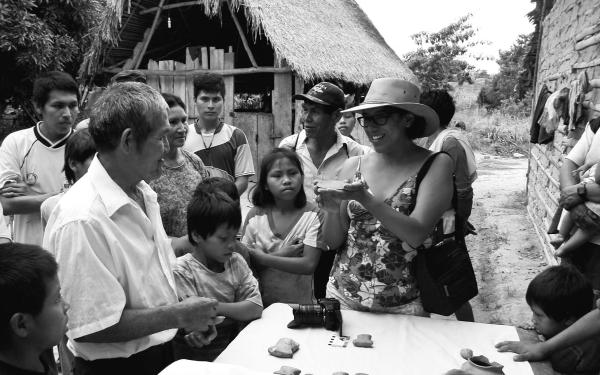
(267, 51)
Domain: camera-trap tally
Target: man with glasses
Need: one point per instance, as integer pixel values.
(322, 150)
(32, 159)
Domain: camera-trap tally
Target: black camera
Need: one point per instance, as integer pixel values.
(325, 313)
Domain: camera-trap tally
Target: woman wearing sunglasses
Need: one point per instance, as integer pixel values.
(378, 231)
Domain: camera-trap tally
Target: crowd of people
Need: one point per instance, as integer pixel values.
(129, 249)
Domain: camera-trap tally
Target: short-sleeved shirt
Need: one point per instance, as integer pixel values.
(39, 162)
(580, 359)
(586, 150)
(259, 233)
(4, 229)
(112, 256)
(235, 284)
(225, 151)
(174, 189)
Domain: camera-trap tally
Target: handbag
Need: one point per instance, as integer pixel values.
(444, 272)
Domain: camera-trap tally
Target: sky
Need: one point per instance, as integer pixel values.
(498, 22)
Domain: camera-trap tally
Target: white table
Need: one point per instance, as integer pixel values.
(402, 345)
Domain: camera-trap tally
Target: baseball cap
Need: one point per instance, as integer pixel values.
(324, 93)
(129, 76)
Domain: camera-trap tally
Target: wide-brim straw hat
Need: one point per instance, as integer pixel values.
(394, 92)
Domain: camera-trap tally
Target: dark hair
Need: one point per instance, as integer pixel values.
(562, 292)
(122, 106)
(49, 81)
(79, 147)
(173, 100)
(209, 82)
(442, 103)
(129, 76)
(225, 185)
(417, 127)
(210, 208)
(261, 196)
(24, 273)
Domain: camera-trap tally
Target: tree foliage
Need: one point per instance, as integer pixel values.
(511, 84)
(38, 36)
(437, 59)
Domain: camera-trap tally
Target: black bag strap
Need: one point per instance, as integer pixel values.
(458, 230)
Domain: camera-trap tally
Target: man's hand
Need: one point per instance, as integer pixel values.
(181, 245)
(198, 339)
(196, 313)
(569, 197)
(525, 351)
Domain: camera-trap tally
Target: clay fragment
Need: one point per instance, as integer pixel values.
(466, 353)
(363, 341)
(340, 373)
(285, 348)
(288, 370)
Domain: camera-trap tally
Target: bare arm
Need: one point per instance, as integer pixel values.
(23, 204)
(192, 314)
(304, 265)
(242, 311)
(241, 183)
(583, 329)
(566, 174)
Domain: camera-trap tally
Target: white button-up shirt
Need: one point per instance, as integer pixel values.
(112, 256)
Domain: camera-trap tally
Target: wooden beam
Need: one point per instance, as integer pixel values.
(238, 26)
(224, 72)
(587, 42)
(587, 64)
(587, 31)
(138, 59)
(171, 6)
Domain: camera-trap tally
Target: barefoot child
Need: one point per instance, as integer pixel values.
(33, 314)
(585, 216)
(558, 297)
(214, 270)
(283, 231)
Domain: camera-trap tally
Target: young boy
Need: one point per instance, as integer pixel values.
(32, 312)
(558, 297)
(223, 148)
(214, 270)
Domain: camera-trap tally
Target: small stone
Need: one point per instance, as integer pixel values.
(466, 353)
(288, 370)
(363, 341)
(285, 348)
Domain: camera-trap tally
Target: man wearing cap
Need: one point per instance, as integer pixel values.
(322, 150)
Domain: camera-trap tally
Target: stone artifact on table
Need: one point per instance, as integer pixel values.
(363, 341)
(288, 370)
(476, 365)
(285, 348)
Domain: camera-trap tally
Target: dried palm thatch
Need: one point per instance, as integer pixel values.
(319, 39)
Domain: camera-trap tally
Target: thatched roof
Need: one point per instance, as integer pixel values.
(319, 39)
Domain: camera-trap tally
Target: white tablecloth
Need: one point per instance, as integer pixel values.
(402, 345)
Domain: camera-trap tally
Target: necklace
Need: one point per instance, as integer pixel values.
(211, 140)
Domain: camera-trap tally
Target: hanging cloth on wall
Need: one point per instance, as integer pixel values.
(537, 133)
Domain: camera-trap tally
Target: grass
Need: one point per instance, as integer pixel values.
(496, 132)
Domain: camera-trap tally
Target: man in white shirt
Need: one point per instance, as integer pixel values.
(114, 256)
(31, 160)
(574, 192)
(322, 150)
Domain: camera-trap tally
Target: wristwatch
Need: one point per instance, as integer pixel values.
(582, 190)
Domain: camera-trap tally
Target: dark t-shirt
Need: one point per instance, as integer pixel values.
(47, 360)
(580, 359)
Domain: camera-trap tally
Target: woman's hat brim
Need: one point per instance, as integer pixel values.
(432, 121)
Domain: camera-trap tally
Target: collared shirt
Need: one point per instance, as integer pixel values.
(31, 157)
(586, 150)
(112, 256)
(343, 149)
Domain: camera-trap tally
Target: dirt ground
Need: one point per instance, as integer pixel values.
(506, 253)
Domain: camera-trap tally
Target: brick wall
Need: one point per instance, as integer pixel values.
(557, 67)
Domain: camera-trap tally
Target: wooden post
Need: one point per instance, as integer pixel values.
(282, 105)
(204, 53)
(213, 59)
(146, 42)
(153, 79)
(298, 89)
(189, 85)
(238, 26)
(166, 82)
(228, 63)
(179, 82)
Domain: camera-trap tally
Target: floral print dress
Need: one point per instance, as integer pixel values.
(373, 271)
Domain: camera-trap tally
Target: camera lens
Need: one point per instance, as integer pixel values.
(309, 314)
